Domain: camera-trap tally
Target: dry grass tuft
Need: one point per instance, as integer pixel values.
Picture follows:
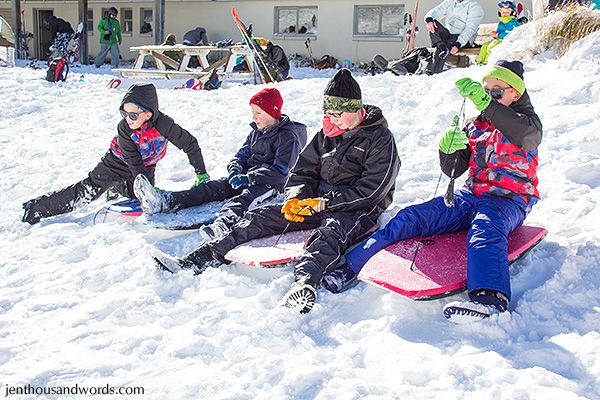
(577, 23)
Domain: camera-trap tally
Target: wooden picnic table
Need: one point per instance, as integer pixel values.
(181, 68)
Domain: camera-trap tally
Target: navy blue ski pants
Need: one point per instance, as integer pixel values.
(238, 200)
(489, 220)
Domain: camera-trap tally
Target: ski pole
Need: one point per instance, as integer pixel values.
(288, 225)
(309, 48)
(461, 112)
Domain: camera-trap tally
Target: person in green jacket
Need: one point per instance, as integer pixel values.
(110, 39)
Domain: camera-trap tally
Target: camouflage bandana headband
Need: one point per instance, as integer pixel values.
(341, 104)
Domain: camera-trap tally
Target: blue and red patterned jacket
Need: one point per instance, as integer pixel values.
(147, 145)
(502, 156)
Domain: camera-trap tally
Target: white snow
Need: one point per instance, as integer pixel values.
(81, 303)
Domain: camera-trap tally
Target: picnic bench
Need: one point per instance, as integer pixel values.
(163, 58)
(462, 58)
(484, 34)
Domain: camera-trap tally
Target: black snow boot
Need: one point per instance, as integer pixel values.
(340, 279)
(30, 214)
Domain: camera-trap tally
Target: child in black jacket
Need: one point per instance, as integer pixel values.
(143, 135)
(257, 172)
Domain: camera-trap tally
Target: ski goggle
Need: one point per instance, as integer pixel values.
(334, 114)
(507, 4)
(496, 93)
(131, 115)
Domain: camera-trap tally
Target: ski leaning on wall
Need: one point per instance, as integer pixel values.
(412, 31)
(267, 73)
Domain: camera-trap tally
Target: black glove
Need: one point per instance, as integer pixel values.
(107, 36)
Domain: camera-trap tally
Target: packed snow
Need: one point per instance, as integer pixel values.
(81, 302)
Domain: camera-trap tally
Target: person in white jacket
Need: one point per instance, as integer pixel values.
(461, 19)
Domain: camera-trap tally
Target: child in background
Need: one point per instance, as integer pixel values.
(507, 14)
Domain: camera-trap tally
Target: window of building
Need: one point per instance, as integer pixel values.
(296, 20)
(145, 20)
(126, 20)
(90, 22)
(378, 20)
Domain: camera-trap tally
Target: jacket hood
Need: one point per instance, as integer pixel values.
(373, 117)
(143, 94)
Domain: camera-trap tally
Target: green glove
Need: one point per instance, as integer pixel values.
(454, 139)
(200, 179)
(468, 88)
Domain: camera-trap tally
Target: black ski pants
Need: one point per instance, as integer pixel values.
(110, 173)
(334, 233)
(238, 200)
(442, 40)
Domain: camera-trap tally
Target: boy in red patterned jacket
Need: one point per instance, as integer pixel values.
(141, 141)
(500, 150)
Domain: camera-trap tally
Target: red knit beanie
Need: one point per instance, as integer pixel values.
(269, 100)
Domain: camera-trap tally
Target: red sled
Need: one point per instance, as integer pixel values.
(436, 266)
(270, 251)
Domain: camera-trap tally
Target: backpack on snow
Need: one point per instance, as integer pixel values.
(413, 61)
(326, 62)
(58, 69)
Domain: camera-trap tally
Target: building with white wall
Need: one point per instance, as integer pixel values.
(354, 30)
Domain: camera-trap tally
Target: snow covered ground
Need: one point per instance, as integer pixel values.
(81, 303)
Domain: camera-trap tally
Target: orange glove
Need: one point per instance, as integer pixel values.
(290, 215)
(293, 217)
(308, 207)
(288, 204)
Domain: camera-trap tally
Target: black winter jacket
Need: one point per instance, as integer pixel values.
(158, 128)
(268, 154)
(196, 37)
(59, 25)
(353, 171)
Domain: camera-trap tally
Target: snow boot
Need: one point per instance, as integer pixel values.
(152, 201)
(340, 279)
(30, 215)
(198, 261)
(301, 297)
(443, 51)
(483, 304)
(166, 262)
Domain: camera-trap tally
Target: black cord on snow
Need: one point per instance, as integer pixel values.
(97, 213)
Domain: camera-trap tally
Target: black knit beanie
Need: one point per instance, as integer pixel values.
(342, 91)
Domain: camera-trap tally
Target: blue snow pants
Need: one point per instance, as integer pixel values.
(489, 219)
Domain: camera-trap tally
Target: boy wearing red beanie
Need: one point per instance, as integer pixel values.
(258, 170)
